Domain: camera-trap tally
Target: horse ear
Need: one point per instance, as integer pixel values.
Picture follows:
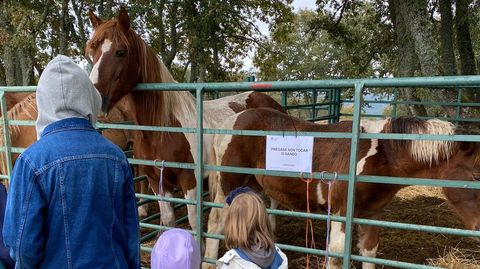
(96, 21)
(124, 19)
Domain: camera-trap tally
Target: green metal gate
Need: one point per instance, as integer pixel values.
(334, 87)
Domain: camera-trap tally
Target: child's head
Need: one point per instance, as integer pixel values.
(247, 222)
(176, 248)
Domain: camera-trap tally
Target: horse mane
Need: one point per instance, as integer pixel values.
(156, 107)
(422, 151)
(23, 110)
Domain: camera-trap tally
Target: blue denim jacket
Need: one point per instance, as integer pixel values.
(71, 202)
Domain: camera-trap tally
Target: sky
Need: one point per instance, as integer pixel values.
(263, 27)
(304, 4)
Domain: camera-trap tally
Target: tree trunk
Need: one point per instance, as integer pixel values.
(9, 65)
(464, 46)
(446, 38)
(407, 61)
(82, 36)
(64, 28)
(3, 82)
(173, 21)
(417, 22)
(26, 65)
(464, 41)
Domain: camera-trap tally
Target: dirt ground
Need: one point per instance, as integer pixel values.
(416, 205)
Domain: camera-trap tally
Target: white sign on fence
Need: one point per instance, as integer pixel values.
(289, 153)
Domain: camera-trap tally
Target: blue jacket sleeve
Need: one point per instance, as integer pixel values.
(131, 221)
(24, 217)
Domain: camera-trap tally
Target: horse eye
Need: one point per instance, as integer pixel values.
(120, 53)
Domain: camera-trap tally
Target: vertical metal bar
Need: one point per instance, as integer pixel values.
(6, 138)
(314, 111)
(199, 165)
(395, 98)
(338, 103)
(352, 175)
(284, 98)
(458, 112)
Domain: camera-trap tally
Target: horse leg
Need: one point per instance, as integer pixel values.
(337, 243)
(368, 243)
(192, 209)
(216, 221)
(143, 209)
(167, 215)
(271, 217)
(188, 184)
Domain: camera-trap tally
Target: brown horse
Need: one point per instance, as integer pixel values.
(24, 136)
(398, 158)
(121, 61)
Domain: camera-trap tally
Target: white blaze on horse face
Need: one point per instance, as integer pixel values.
(106, 46)
(166, 211)
(370, 127)
(192, 209)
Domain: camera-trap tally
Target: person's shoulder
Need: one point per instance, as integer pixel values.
(231, 260)
(228, 256)
(284, 258)
(111, 146)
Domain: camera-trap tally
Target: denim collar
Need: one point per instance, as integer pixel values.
(68, 124)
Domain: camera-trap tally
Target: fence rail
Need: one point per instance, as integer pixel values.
(332, 104)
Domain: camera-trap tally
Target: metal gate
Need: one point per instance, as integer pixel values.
(333, 89)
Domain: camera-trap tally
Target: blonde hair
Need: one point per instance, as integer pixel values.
(247, 223)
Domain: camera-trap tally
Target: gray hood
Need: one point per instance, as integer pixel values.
(65, 91)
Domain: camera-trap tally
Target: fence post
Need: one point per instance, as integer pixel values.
(352, 175)
(6, 138)
(199, 165)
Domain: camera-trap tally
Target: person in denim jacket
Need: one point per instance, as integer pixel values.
(71, 201)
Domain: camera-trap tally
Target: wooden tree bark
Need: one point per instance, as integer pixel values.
(417, 23)
(168, 55)
(464, 46)
(9, 65)
(2, 75)
(407, 61)
(416, 20)
(64, 28)
(464, 41)
(446, 38)
(25, 62)
(78, 9)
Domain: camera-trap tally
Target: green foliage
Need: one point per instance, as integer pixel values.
(313, 46)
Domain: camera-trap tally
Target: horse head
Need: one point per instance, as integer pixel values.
(115, 50)
(441, 160)
(465, 165)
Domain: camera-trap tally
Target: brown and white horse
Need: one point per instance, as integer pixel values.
(24, 136)
(121, 60)
(399, 158)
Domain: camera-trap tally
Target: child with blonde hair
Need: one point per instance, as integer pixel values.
(248, 234)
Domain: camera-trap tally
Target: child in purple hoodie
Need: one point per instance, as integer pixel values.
(176, 248)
